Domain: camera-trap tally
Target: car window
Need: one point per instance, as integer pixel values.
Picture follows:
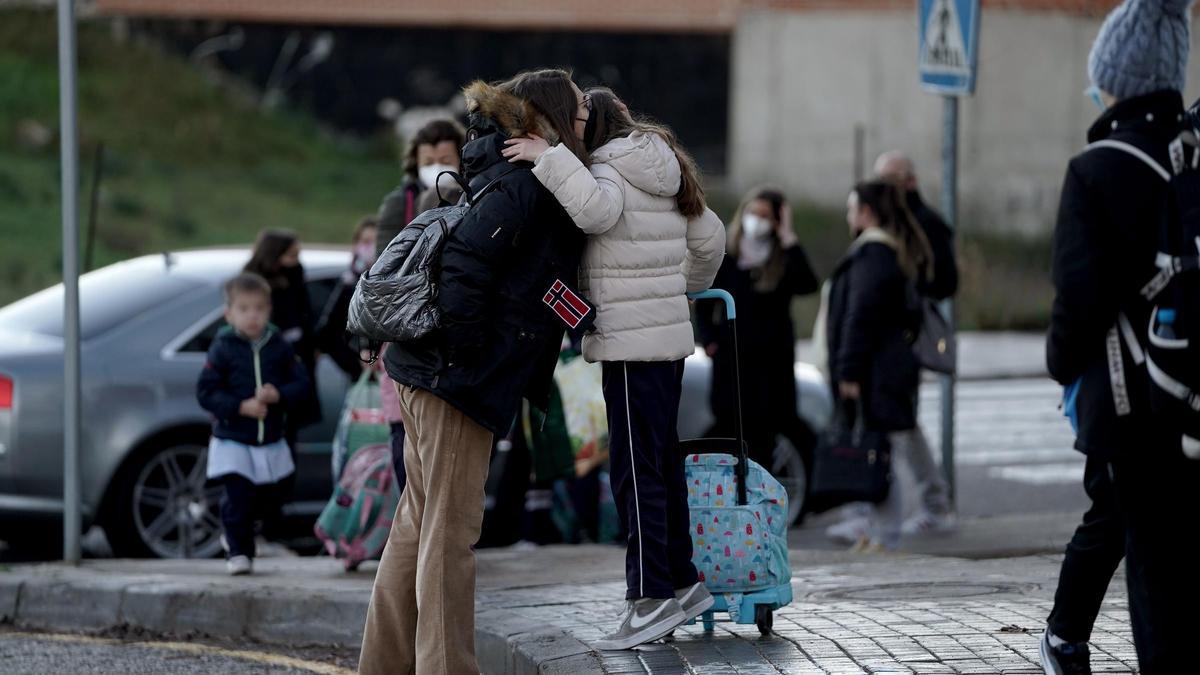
(200, 342)
(319, 291)
(108, 298)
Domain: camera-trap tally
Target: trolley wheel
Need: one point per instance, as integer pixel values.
(764, 618)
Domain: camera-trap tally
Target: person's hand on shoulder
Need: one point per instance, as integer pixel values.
(525, 149)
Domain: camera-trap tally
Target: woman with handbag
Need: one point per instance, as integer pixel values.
(871, 322)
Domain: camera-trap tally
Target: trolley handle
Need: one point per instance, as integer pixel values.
(742, 470)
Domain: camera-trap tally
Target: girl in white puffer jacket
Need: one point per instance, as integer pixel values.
(651, 241)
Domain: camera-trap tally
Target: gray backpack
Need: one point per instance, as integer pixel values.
(396, 300)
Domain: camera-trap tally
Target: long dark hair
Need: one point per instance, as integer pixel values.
(269, 248)
(766, 278)
(610, 120)
(434, 132)
(550, 93)
(887, 201)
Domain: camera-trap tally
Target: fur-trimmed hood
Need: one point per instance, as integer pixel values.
(509, 113)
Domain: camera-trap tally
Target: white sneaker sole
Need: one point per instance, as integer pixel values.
(648, 634)
(699, 608)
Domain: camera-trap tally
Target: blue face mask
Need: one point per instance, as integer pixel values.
(1093, 92)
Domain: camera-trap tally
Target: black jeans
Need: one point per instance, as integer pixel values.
(1092, 557)
(1156, 490)
(243, 505)
(648, 478)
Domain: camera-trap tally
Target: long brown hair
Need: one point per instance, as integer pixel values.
(269, 248)
(766, 278)
(887, 201)
(437, 131)
(611, 120)
(550, 93)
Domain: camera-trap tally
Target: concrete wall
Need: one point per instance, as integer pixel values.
(802, 81)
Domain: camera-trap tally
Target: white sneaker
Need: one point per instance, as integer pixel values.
(645, 620)
(695, 600)
(239, 565)
(927, 522)
(849, 531)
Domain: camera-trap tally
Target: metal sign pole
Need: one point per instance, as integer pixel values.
(69, 141)
(950, 212)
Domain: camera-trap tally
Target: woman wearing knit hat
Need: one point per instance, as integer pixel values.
(1105, 243)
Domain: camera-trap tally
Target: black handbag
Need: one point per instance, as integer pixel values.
(851, 463)
(935, 347)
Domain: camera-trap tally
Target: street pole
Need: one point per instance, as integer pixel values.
(950, 212)
(69, 141)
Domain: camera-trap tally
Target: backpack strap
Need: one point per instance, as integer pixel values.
(1136, 152)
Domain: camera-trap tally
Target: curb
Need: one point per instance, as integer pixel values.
(173, 607)
(506, 643)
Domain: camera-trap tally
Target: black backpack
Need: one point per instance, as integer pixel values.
(1169, 347)
(396, 300)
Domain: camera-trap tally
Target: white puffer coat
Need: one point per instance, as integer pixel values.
(642, 256)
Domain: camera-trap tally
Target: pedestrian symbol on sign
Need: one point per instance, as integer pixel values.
(944, 50)
(949, 31)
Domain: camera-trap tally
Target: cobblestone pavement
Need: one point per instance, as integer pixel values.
(956, 617)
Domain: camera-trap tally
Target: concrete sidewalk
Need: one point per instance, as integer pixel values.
(539, 610)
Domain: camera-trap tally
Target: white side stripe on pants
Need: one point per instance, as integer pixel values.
(637, 506)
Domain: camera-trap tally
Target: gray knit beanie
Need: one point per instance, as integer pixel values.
(1142, 48)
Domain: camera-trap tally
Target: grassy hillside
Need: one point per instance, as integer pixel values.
(187, 161)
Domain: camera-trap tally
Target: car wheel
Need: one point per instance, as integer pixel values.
(790, 469)
(164, 508)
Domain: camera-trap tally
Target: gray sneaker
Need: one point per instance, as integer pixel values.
(695, 600)
(645, 620)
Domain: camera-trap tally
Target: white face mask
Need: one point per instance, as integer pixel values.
(429, 175)
(756, 227)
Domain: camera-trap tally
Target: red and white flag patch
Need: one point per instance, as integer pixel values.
(572, 309)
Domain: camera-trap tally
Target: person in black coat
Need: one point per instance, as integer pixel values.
(434, 148)
(461, 385)
(276, 258)
(936, 513)
(1140, 483)
(331, 335)
(765, 269)
(871, 319)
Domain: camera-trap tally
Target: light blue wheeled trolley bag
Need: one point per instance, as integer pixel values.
(738, 517)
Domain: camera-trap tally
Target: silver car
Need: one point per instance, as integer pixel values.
(146, 326)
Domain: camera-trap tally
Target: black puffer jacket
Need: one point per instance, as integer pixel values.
(498, 342)
(944, 282)
(767, 351)
(871, 323)
(1105, 242)
(231, 374)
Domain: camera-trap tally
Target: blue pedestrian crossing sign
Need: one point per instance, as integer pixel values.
(949, 45)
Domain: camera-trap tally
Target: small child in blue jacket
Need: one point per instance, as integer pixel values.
(249, 381)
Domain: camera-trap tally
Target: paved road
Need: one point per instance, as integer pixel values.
(1013, 447)
(36, 653)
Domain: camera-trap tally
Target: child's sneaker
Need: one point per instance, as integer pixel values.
(931, 523)
(239, 565)
(645, 620)
(695, 600)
